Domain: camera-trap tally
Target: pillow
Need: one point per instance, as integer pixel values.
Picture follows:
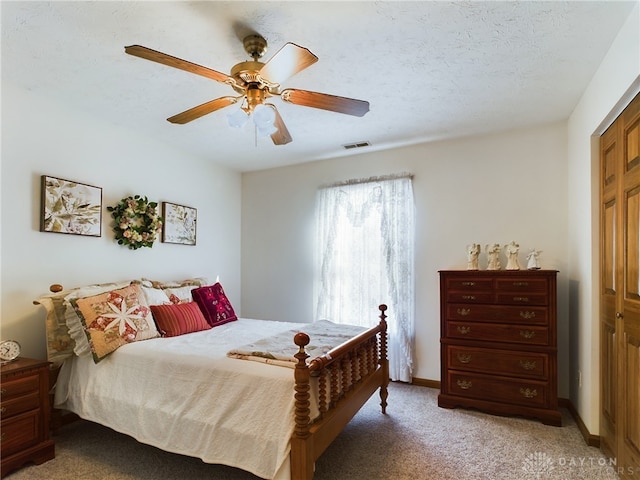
(214, 304)
(154, 296)
(178, 319)
(73, 321)
(59, 342)
(176, 291)
(114, 318)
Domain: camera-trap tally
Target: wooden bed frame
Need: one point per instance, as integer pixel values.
(348, 376)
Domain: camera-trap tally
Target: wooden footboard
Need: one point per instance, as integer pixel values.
(347, 376)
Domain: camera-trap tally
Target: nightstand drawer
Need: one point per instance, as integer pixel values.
(20, 432)
(17, 405)
(496, 313)
(19, 386)
(499, 362)
(494, 332)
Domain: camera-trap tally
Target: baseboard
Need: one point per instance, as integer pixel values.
(421, 382)
(589, 438)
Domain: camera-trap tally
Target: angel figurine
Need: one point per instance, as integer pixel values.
(512, 256)
(473, 251)
(493, 255)
(532, 259)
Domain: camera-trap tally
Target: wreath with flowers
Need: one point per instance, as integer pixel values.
(136, 222)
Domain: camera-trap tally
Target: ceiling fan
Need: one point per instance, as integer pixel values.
(256, 82)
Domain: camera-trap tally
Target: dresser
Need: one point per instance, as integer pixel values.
(498, 342)
(24, 409)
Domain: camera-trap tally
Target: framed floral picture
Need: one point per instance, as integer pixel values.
(179, 224)
(70, 207)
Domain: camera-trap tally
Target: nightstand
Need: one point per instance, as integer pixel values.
(24, 410)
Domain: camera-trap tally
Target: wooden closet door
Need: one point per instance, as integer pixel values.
(620, 291)
(629, 436)
(610, 279)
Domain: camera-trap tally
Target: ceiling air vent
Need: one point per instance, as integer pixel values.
(356, 145)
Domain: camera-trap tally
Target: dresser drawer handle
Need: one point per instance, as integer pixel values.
(528, 315)
(520, 284)
(528, 365)
(464, 358)
(464, 384)
(468, 284)
(464, 330)
(3, 409)
(2, 436)
(529, 392)
(528, 334)
(520, 299)
(469, 297)
(3, 391)
(463, 312)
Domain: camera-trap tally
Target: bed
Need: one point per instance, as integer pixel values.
(209, 395)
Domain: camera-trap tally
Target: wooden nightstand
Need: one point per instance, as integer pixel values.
(25, 414)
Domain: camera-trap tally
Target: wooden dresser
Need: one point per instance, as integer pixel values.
(24, 406)
(498, 342)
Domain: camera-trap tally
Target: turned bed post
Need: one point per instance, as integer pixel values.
(384, 361)
(302, 460)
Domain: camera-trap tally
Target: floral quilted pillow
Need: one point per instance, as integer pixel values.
(214, 304)
(115, 318)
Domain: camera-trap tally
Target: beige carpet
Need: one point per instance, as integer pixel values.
(416, 440)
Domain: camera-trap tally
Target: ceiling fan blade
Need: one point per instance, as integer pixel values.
(201, 110)
(286, 62)
(282, 136)
(163, 58)
(324, 101)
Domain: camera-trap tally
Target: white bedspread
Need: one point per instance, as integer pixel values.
(205, 404)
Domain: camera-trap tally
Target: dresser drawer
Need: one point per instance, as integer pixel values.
(470, 297)
(497, 313)
(510, 298)
(500, 389)
(495, 332)
(20, 432)
(499, 362)
(19, 386)
(522, 284)
(470, 284)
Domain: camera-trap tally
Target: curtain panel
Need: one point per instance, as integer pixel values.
(365, 256)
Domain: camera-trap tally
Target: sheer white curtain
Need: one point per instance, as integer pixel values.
(364, 254)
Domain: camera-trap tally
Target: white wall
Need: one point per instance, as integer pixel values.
(486, 189)
(612, 87)
(40, 137)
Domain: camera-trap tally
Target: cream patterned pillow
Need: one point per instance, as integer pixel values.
(114, 318)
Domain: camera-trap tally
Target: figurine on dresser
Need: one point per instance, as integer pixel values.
(512, 256)
(473, 251)
(532, 259)
(493, 256)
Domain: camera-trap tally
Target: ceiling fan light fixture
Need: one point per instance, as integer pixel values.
(263, 115)
(238, 118)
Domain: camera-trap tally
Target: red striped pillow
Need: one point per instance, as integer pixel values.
(178, 319)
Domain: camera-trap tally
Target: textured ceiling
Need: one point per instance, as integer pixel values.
(430, 70)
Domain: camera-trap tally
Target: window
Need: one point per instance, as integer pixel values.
(364, 256)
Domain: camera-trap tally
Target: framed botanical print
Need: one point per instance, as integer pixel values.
(70, 207)
(179, 224)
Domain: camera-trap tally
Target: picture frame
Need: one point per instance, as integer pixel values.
(70, 207)
(179, 224)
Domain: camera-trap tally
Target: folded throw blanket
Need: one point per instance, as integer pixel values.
(280, 349)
